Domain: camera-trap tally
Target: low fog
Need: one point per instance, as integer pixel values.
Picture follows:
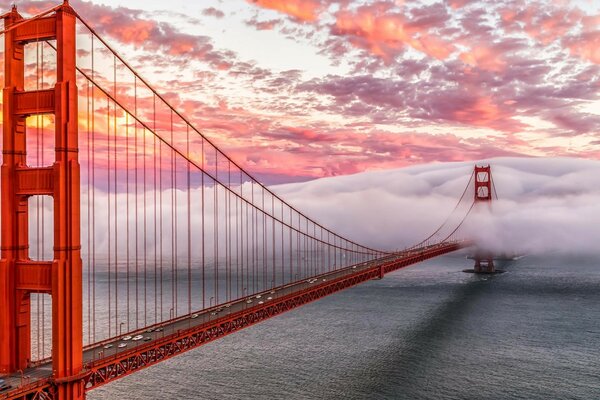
(544, 204)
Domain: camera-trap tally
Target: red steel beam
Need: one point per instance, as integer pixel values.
(36, 30)
(108, 369)
(35, 181)
(35, 102)
(111, 368)
(34, 276)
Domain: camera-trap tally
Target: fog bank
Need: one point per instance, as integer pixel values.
(544, 204)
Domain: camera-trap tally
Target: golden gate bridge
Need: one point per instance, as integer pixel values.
(128, 237)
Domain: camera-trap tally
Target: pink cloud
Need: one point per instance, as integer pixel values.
(384, 32)
(301, 10)
(586, 46)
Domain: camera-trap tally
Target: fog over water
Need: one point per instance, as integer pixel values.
(544, 204)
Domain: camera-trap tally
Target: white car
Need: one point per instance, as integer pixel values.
(121, 345)
(258, 296)
(261, 302)
(126, 338)
(137, 337)
(248, 301)
(194, 316)
(108, 346)
(269, 298)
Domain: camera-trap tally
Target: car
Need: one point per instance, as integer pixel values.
(227, 305)
(159, 329)
(258, 296)
(269, 298)
(126, 338)
(354, 267)
(121, 345)
(137, 337)
(248, 301)
(324, 279)
(272, 292)
(213, 313)
(4, 385)
(219, 309)
(108, 346)
(149, 330)
(261, 302)
(194, 316)
(147, 339)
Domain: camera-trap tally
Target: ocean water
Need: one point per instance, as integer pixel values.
(427, 332)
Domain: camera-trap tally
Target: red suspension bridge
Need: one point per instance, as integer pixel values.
(128, 237)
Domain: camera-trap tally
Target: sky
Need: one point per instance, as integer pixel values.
(302, 89)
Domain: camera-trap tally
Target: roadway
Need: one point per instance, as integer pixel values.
(109, 349)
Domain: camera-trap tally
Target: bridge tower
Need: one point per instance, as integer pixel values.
(19, 274)
(484, 260)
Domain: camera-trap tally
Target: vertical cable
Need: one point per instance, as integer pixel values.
(228, 230)
(273, 235)
(115, 166)
(127, 210)
(216, 229)
(203, 233)
(174, 280)
(89, 235)
(37, 121)
(135, 162)
(108, 224)
(93, 162)
(160, 199)
(43, 244)
(189, 220)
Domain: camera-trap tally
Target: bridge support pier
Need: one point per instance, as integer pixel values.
(484, 265)
(484, 261)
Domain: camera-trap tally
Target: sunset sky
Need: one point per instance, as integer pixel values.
(301, 89)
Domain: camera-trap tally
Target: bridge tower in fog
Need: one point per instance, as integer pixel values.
(484, 260)
(19, 274)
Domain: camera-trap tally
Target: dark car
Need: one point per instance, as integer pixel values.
(4, 385)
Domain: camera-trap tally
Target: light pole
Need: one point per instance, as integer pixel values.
(121, 328)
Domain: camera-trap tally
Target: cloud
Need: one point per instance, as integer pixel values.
(384, 32)
(213, 12)
(545, 205)
(299, 10)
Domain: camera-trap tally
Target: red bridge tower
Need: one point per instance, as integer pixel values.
(19, 274)
(484, 261)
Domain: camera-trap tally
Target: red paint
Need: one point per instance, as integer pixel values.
(484, 261)
(19, 275)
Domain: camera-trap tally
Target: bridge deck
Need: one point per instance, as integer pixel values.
(173, 337)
